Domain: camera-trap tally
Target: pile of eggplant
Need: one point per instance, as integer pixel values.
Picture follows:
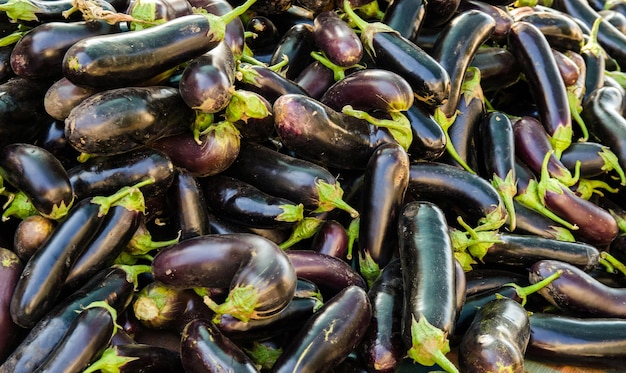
(312, 185)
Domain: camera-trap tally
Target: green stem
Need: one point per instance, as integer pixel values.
(330, 196)
(614, 262)
(524, 292)
(304, 229)
(445, 123)
(353, 235)
(106, 202)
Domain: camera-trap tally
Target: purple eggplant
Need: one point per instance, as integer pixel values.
(10, 271)
(186, 199)
(30, 234)
(336, 39)
(132, 357)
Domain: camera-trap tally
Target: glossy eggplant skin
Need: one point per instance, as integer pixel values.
(11, 267)
(576, 293)
(382, 348)
(384, 188)
(405, 17)
(62, 96)
(119, 120)
(230, 261)
(497, 146)
(22, 113)
(337, 39)
(370, 89)
(186, 198)
(331, 239)
(590, 154)
(322, 135)
(456, 191)
(597, 342)
(130, 58)
(457, 45)
(82, 343)
(245, 204)
(147, 358)
(561, 31)
(296, 44)
(334, 330)
(105, 175)
(429, 139)
(203, 348)
(428, 269)
(534, 54)
(234, 33)
(266, 82)
(111, 285)
(116, 231)
(496, 339)
(44, 274)
(39, 53)
(40, 175)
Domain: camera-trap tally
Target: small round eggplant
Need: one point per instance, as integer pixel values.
(337, 39)
(30, 234)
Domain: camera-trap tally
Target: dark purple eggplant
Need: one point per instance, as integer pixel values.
(63, 96)
(498, 68)
(119, 120)
(315, 79)
(114, 285)
(496, 339)
(439, 12)
(39, 53)
(244, 263)
(245, 204)
(382, 348)
(484, 279)
(36, 12)
(135, 357)
(330, 335)
(596, 159)
(265, 81)
(264, 34)
(30, 234)
(84, 341)
(329, 273)
(235, 30)
(252, 115)
(5, 62)
(576, 293)
(10, 270)
(429, 277)
(384, 188)
(153, 13)
(567, 68)
(331, 239)
(561, 31)
(203, 348)
(370, 89)
(455, 48)
(296, 44)
(501, 15)
(428, 79)
(322, 135)
(289, 177)
(535, 57)
(105, 175)
(336, 39)
(405, 17)
(40, 176)
(130, 58)
(186, 199)
(22, 113)
(208, 80)
(578, 341)
(429, 139)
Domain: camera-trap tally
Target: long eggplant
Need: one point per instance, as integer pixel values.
(10, 270)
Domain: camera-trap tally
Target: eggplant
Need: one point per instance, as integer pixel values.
(577, 293)
(155, 12)
(203, 348)
(384, 187)
(429, 277)
(247, 205)
(496, 339)
(560, 30)
(119, 120)
(265, 81)
(315, 79)
(35, 12)
(334, 331)
(188, 204)
(130, 58)
(105, 175)
(62, 96)
(322, 135)
(40, 176)
(331, 239)
(405, 17)
(595, 159)
(30, 234)
(39, 53)
(10, 271)
(498, 68)
(115, 285)
(296, 45)
(391, 51)
(244, 263)
(336, 39)
(264, 34)
(133, 357)
(429, 139)
(234, 32)
(84, 341)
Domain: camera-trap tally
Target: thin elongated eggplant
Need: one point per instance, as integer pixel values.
(405, 17)
(203, 348)
(370, 89)
(84, 341)
(245, 204)
(11, 267)
(382, 347)
(40, 175)
(207, 81)
(384, 188)
(133, 57)
(119, 120)
(577, 293)
(335, 330)
(573, 340)
(115, 285)
(322, 135)
(244, 263)
(105, 175)
(428, 79)
(561, 31)
(187, 201)
(266, 82)
(429, 139)
(39, 53)
(133, 357)
(537, 62)
(337, 39)
(497, 338)
(455, 48)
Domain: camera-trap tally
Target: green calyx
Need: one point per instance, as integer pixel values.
(398, 126)
(303, 229)
(429, 345)
(240, 303)
(330, 196)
